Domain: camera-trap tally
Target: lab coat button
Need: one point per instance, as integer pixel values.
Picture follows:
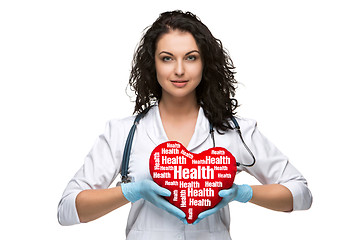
(179, 236)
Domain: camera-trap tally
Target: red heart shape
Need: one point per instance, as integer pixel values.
(193, 179)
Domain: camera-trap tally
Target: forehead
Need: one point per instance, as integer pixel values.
(176, 41)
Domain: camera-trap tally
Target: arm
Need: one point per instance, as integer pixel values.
(92, 204)
(89, 187)
(284, 188)
(87, 196)
(273, 196)
(95, 203)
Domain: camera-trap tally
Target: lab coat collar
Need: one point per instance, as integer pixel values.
(155, 129)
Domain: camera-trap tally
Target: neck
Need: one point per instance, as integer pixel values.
(178, 108)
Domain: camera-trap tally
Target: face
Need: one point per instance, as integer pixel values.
(178, 64)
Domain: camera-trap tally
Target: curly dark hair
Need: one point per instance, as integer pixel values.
(217, 86)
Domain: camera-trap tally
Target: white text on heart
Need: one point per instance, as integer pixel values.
(205, 192)
(212, 160)
(174, 160)
(193, 173)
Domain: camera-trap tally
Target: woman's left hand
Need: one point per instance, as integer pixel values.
(240, 193)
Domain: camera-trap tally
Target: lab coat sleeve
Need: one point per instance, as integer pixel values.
(273, 167)
(100, 168)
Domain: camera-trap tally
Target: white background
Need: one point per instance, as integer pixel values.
(64, 67)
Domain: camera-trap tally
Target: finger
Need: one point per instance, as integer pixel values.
(197, 221)
(226, 192)
(171, 208)
(184, 221)
(213, 210)
(160, 190)
(163, 192)
(208, 213)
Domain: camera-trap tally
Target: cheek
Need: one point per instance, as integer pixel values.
(196, 71)
(162, 71)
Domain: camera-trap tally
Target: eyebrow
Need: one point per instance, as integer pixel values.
(185, 54)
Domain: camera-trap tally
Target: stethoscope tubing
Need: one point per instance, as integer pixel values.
(130, 138)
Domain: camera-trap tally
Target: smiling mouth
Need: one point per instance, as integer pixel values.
(179, 81)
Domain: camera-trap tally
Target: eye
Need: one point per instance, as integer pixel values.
(166, 59)
(191, 58)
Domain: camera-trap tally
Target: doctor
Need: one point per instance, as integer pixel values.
(184, 72)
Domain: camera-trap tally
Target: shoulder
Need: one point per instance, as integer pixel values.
(118, 127)
(124, 125)
(245, 124)
(121, 122)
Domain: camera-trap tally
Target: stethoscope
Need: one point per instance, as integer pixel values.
(127, 150)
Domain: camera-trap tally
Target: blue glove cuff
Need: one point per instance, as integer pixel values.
(128, 193)
(244, 193)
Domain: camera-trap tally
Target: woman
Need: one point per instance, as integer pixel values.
(183, 72)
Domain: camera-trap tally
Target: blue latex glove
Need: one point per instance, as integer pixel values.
(240, 193)
(153, 193)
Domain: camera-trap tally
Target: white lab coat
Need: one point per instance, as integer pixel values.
(146, 221)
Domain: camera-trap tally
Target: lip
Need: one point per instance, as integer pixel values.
(179, 83)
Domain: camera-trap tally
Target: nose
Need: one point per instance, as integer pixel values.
(179, 68)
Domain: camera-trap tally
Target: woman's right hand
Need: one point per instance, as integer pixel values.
(153, 193)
